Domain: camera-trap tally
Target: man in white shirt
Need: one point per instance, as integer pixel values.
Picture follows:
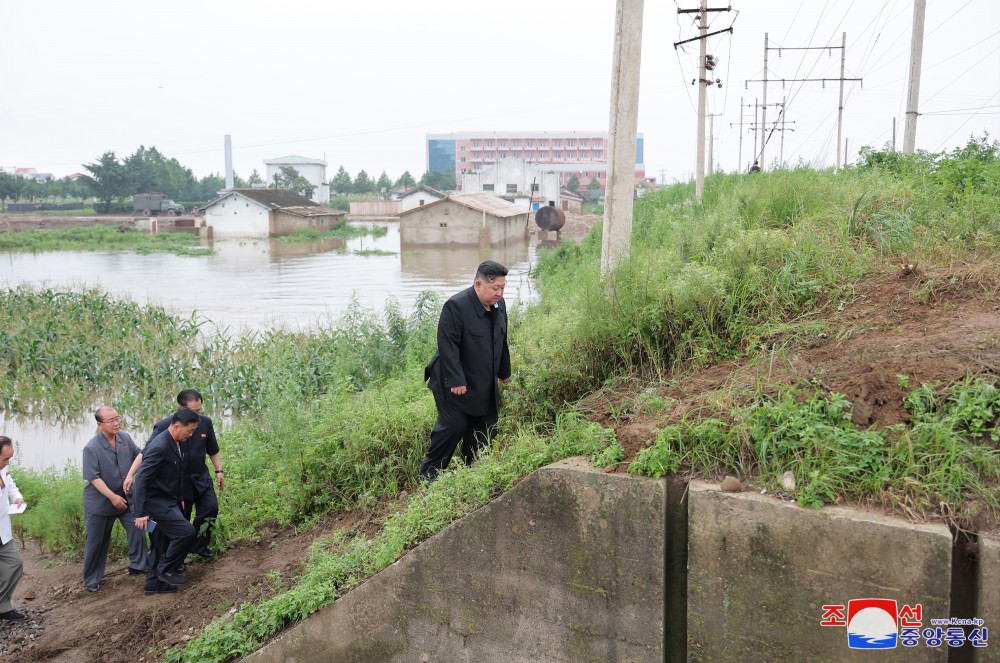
(11, 566)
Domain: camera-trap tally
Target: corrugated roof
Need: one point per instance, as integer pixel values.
(481, 202)
(270, 198)
(312, 211)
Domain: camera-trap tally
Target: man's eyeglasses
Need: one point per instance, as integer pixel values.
(114, 420)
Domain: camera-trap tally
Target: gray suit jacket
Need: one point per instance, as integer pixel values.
(100, 461)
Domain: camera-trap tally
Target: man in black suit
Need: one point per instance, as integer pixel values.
(157, 499)
(472, 354)
(197, 491)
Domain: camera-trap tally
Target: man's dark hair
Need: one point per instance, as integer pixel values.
(4, 441)
(184, 416)
(188, 396)
(489, 270)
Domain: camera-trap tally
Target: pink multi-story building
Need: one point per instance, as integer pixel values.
(580, 153)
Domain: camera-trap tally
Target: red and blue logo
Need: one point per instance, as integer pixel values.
(871, 624)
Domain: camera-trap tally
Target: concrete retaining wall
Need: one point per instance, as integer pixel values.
(566, 567)
(760, 570)
(577, 565)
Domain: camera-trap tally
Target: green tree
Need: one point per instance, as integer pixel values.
(341, 182)
(383, 182)
(406, 181)
(574, 183)
(209, 187)
(108, 179)
(442, 180)
(363, 183)
(594, 185)
(148, 170)
(255, 178)
(289, 178)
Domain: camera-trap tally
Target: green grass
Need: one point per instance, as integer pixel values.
(101, 238)
(338, 418)
(343, 230)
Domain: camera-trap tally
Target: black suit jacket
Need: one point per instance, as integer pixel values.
(196, 481)
(470, 353)
(158, 483)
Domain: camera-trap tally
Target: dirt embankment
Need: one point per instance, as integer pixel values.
(118, 624)
(938, 325)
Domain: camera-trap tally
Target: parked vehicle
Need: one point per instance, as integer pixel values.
(151, 204)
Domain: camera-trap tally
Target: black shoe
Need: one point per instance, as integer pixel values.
(182, 568)
(12, 616)
(206, 556)
(166, 590)
(94, 588)
(172, 579)
(136, 572)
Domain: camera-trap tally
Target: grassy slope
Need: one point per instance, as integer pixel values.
(704, 284)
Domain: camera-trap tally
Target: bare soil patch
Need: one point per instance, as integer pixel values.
(119, 624)
(938, 325)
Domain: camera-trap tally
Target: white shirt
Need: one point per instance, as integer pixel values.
(8, 494)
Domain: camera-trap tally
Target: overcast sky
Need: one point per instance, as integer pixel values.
(361, 83)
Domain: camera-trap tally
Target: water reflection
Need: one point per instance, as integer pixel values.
(251, 284)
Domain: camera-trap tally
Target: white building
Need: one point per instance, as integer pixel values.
(418, 197)
(313, 170)
(266, 213)
(514, 180)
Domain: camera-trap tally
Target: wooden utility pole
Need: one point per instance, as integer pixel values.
(619, 190)
(704, 66)
(913, 95)
(840, 106)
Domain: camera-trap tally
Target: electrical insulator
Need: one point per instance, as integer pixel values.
(710, 62)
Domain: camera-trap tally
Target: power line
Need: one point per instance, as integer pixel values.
(945, 141)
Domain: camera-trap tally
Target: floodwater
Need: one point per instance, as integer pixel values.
(250, 284)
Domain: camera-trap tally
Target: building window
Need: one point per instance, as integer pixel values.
(475, 144)
(489, 143)
(557, 143)
(463, 159)
(461, 148)
(511, 188)
(534, 187)
(503, 143)
(503, 155)
(558, 155)
(487, 187)
(515, 143)
(569, 143)
(529, 143)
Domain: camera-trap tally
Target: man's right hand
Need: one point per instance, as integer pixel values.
(140, 523)
(458, 391)
(119, 502)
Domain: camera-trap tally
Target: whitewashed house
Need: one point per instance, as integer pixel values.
(266, 213)
(516, 181)
(418, 197)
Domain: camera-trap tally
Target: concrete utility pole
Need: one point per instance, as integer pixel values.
(840, 107)
(711, 141)
(703, 82)
(913, 95)
(894, 134)
(699, 168)
(763, 112)
(617, 234)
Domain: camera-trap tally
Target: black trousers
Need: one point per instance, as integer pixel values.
(205, 505)
(169, 543)
(452, 426)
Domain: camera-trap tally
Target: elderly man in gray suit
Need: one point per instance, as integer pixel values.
(110, 462)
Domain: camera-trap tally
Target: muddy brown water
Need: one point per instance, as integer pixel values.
(250, 284)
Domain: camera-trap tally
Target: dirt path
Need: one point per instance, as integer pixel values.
(119, 624)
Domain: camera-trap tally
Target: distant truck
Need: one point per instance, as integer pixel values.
(151, 204)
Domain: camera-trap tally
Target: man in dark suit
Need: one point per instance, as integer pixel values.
(472, 355)
(158, 499)
(197, 491)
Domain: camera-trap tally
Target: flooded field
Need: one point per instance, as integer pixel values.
(249, 285)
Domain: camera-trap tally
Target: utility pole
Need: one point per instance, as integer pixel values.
(913, 95)
(619, 190)
(845, 153)
(893, 133)
(706, 63)
(763, 115)
(840, 107)
(711, 141)
(783, 81)
(781, 152)
(739, 163)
